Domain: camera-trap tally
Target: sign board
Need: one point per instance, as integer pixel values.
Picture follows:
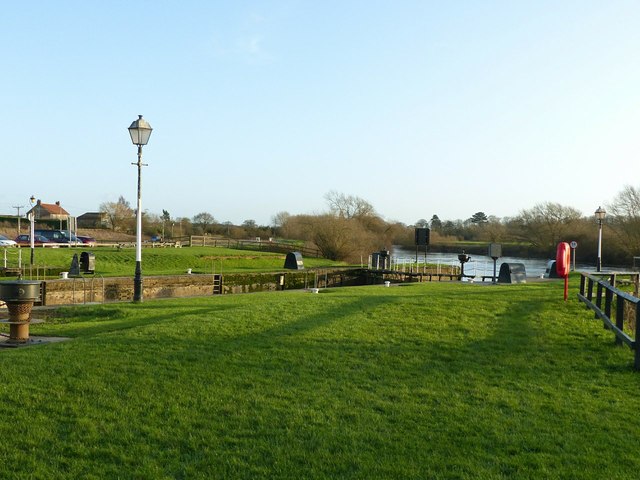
(573, 244)
(422, 236)
(495, 250)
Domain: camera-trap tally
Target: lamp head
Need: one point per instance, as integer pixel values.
(140, 131)
(600, 213)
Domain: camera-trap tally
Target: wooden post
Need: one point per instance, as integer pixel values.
(582, 282)
(589, 292)
(636, 344)
(598, 297)
(619, 316)
(608, 297)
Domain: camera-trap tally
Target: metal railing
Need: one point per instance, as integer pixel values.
(618, 305)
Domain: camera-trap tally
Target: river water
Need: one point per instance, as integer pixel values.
(479, 265)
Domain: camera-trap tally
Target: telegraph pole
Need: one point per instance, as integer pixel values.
(18, 208)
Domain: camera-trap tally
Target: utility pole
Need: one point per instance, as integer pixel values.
(18, 208)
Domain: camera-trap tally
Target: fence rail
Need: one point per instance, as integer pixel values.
(618, 305)
(264, 246)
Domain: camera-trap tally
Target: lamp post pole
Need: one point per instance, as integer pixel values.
(32, 222)
(137, 279)
(140, 130)
(600, 213)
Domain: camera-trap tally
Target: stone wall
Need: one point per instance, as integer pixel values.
(90, 289)
(97, 289)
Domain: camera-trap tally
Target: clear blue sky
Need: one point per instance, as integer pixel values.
(419, 107)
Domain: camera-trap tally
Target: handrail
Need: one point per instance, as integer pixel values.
(611, 293)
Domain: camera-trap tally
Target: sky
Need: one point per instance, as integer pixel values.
(259, 107)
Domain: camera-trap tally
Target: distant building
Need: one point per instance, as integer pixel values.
(93, 220)
(48, 211)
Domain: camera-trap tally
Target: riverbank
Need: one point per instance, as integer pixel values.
(479, 248)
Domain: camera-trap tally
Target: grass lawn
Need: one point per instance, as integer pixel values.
(169, 261)
(433, 380)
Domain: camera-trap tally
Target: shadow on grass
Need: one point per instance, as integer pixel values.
(514, 335)
(100, 320)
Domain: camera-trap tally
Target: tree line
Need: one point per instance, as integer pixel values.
(351, 229)
(121, 217)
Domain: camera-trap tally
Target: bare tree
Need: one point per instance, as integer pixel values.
(203, 220)
(120, 214)
(250, 227)
(344, 239)
(348, 206)
(547, 223)
(280, 218)
(624, 219)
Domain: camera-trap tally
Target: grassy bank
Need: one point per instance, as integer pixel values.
(169, 261)
(419, 381)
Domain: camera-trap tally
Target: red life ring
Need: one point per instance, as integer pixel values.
(563, 259)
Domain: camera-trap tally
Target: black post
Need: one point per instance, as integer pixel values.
(636, 344)
(137, 283)
(137, 279)
(598, 298)
(608, 298)
(619, 316)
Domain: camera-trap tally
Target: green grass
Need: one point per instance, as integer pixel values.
(169, 261)
(438, 380)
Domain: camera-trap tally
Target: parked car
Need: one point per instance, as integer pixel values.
(26, 240)
(59, 236)
(90, 241)
(6, 242)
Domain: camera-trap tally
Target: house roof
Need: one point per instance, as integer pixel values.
(96, 215)
(50, 208)
(53, 209)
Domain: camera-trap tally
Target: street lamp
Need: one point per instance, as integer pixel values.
(140, 131)
(600, 213)
(32, 222)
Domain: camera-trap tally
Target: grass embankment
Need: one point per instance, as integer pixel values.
(112, 262)
(432, 380)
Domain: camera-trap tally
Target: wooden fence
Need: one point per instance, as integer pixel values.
(265, 246)
(618, 306)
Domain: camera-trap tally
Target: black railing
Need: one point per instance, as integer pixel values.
(618, 305)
